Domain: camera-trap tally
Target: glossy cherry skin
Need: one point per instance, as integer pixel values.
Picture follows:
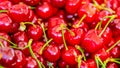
(103, 55)
(19, 12)
(51, 53)
(62, 64)
(112, 65)
(92, 41)
(31, 2)
(8, 56)
(5, 5)
(14, 28)
(20, 59)
(15, 1)
(58, 3)
(83, 65)
(54, 30)
(45, 10)
(91, 63)
(115, 52)
(5, 23)
(4, 42)
(76, 38)
(89, 10)
(70, 56)
(72, 6)
(35, 32)
(31, 63)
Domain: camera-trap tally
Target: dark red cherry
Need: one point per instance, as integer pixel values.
(31, 63)
(5, 5)
(19, 12)
(91, 63)
(92, 41)
(51, 53)
(14, 28)
(112, 65)
(115, 52)
(15, 1)
(58, 3)
(44, 10)
(72, 6)
(102, 53)
(8, 56)
(35, 32)
(5, 23)
(62, 64)
(75, 37)
(3, 41)
(20, 59)
(70, 56)
(90, 10)
(31, 2)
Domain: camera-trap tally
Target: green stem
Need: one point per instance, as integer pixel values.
(3, 11)
(111, 18)
(96, 60)
(64, 39)
(43, 28)
(1, 66)
(82, 51)
(78, 24)
(103, 65)
(8, 41)
(113, 46)
(32, 53)
(79, 61)
(46, 44)
(1, 44)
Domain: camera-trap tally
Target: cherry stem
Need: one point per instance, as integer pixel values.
(43, 28)
(1, 66)
(32, 53)
(79, 61)
(113, 46)
(63, 37)
(31, 7)
(111, 18)
(1, 44)
(101, 7)
(8, 41)
(71, 32)
(50, 65)
(29, 23)
(82, 51)
(3, 11)
(97, 62)
(114, 60)
(43, 47)
(78, 24)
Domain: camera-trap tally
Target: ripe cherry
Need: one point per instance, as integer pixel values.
(5, 5)
(112, 65)
(31, 2)
(58, 3)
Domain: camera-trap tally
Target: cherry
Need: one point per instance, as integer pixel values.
(102, 54)
(4, 42)
(31, 2)
(91, 63)
(62, 64)
(112, 65)
(70, 56)
(76, 37)
(14, 28)
(115, 52)
(53, 52)
(8, 56)
(5, 23)
(90, 10)
(92, 41)
(19, 12)
(58, 3)
(83, 65)
(72, 6)
(44, 10)
(31, 63)
(15, 1)
(20, 59)
(5, 5)
(35, 32)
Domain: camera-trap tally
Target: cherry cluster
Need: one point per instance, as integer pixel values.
(59, 34)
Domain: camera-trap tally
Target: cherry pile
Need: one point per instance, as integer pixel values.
(59, 34)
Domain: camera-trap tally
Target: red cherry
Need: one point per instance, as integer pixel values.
(35, 32)
(8, 56)
(70, 56)
(115, 52)
(15, 1)
(31, 63)
(112, 65)
(72, 6)
(5, 5)
(5, 23)
(44, 10)
(51, 53)
(19, 12)
(90, 10)
(83, 65)
(92, 41)
(58, 3)
(76, 37)
(62, 64)
(91, 63)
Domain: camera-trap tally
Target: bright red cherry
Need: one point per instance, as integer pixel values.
(31, 2)
(15, 1)
(112, 65)
(58, 3)
(70, 56)
(91, 63)
(44, 10)
(5, 5)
